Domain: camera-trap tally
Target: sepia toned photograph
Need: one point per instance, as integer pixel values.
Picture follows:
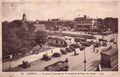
(61, 35)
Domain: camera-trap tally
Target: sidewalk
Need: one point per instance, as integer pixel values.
(30, 58)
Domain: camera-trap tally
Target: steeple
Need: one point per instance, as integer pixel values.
(24, 17)
(24, 21)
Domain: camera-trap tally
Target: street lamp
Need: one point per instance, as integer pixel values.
(84, 60)
(10, 62)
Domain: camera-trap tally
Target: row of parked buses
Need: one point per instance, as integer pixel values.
(56, 41)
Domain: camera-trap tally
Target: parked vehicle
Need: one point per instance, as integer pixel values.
(102, 40)
(75, 45)
(82, 47)
(111, 40)
(86, 44)
(72, 48)
(75, 53)
(46, 57)
(104, 44)
(115, 42)
(97, 45)
(68, 49)
(56, 54)
(63, 51)
(25, 64)
(90, 43)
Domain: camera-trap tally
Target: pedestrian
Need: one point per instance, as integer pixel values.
(110, 47)
(75, 53)
(51, 50)
(66, 60)
(97, 51)
(93, 49)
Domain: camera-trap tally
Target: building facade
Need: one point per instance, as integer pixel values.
(83, 23)
(39, 27)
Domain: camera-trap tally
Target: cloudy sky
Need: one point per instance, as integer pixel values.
(66, 9)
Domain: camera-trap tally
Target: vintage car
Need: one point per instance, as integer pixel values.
(97, 44)
(82, 47)
(104, 44)
(56, 54)
(68, 49)
(102, 40)
(46, 57)
(63, 51)
(87, 43)
(25, 64)
(75, 45)
(72, 48)
(111, 40)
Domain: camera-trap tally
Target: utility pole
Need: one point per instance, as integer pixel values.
(10, 62)
(84, 60)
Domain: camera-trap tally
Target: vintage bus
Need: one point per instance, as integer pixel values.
(56, 41)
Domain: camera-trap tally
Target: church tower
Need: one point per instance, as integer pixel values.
(24, 17)
(24, 21)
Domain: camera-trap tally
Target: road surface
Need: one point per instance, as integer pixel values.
(75, 62)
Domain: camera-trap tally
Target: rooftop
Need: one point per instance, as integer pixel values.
(110, 52)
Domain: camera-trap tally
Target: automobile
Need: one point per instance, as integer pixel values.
(68, 49)
(86, 44)
(102, 40)
(97, 45)
(72, 48)
(56, 54)
(25, 64)
(63, 51)
(75, 45)
(89, 36)
(90, 43)
(115, 42)
(77, 39)
(104, 44)
(111, 40)
(75, 53)
(83, 39)
(46, 57)
(82, 47)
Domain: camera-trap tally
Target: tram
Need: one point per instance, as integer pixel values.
(109, 60)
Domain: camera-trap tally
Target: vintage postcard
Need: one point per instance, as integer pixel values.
(49, 38)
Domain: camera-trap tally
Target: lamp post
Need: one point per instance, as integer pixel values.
(10, 62)
(84, 60)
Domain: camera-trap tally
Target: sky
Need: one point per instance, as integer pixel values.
(66, 9)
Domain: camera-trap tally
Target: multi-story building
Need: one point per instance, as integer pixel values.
(39, 26)
(84, 23)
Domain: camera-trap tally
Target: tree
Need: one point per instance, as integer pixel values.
(111, 23)
(15, 38)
